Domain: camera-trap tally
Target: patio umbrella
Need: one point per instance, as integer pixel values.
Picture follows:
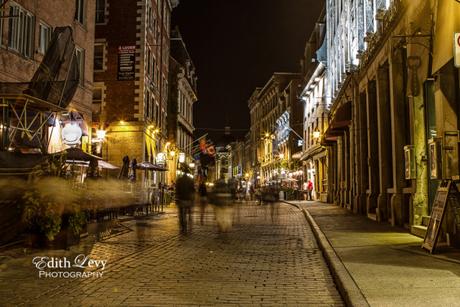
(106, 165)
(145, 165)
(100, 163)
(78, 154)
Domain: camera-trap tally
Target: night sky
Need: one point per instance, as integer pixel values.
(236, 45)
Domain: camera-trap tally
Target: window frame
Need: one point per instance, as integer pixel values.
(80, 11)
(103, 59)
(43, 25)
(104, 13)
(81, 64)
(17, 27)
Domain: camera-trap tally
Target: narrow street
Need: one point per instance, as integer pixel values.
(261, 261)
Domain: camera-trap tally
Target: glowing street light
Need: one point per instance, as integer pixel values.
(316, 134)
(101, 134)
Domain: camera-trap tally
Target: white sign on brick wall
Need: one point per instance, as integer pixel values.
(457, 49)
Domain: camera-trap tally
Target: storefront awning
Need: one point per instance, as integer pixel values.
(340, 120)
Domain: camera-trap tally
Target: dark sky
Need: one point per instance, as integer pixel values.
(236, 45)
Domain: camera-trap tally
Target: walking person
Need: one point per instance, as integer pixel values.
(203, 200)
(222, 201)
(251, 192)
(310, 189)
(185, 193)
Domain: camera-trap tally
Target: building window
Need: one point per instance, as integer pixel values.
(80, 11)
(150, 17)
(21, 31)
(44, 38)
(100, 11)
(99, 54)
(1, 25)
(97, 100)
(147, 105)
(148, 60)
(81, 64)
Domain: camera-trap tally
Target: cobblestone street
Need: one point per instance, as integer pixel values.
(262, 260)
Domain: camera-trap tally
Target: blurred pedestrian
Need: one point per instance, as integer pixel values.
(251, 192)
(124, 171)
(132, 175)
(222, 201)
(185, 193)
(203, 200)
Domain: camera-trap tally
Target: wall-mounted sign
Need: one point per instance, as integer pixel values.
(409, 162)
(161, 158)
(126, 62)
(71, 134)
(181, 157)
(457, 50)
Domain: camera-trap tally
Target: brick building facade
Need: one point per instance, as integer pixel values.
(25, 36)
(131, 77)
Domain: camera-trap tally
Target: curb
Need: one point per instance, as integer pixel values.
(347, 287)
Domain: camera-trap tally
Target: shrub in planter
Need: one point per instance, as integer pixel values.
(44, 204)
(40, 216)
(77, 222)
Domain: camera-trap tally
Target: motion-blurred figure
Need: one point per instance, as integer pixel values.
(203, 200)
(185, 193)
(221, 198)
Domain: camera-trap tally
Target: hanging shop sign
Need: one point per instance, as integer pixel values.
(457, 50)
(126, 62)
(161, 158)
(71, 134)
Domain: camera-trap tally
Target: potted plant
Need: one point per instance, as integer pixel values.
(41, 218)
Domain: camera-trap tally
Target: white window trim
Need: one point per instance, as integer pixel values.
(106, 14)
(19, 40)
(81, 65)
(102, 43)
(44, 25)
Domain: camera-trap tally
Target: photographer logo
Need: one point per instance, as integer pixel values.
(56, 267)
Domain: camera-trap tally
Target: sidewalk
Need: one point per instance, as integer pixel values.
(387, 263)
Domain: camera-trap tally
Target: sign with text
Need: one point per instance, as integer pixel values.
(447, 191)
(457, 50)
(126, 62)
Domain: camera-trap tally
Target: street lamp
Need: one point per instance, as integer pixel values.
(316, 134)
(100, 134)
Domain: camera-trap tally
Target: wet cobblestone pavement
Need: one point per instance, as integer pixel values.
(264, 260)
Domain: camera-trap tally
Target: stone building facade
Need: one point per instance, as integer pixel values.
(131, 78)
(275, 111)
(25, 36)
(394, 88)
(182, 96)
(315, 95)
